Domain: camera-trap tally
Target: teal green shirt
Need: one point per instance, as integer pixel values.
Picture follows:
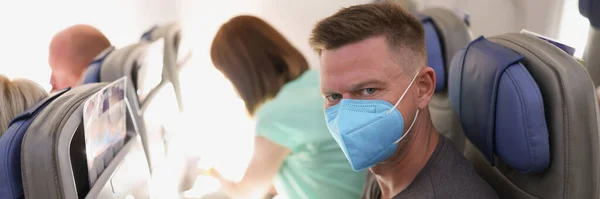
(316, 167)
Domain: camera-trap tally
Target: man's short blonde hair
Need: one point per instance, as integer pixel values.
(402, 30)
(16, 96)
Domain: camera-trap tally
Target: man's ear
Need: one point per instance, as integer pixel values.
(426, 83)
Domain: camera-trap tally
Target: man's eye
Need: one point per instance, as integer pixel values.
(368, 91)
(334, 97)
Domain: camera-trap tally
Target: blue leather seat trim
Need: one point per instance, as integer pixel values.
(92, 74)
(435, 52)
(500, 106)
(147, 36)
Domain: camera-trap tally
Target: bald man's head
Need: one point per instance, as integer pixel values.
(71, 50)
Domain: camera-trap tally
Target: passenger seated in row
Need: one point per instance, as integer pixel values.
(71, 51)
(375, 78)
(17, 96)
(292, 146)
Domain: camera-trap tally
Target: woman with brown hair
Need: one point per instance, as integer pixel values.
(294, 150)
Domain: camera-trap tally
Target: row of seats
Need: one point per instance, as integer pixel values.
(522, 110)
(42, 154)
(445, 34)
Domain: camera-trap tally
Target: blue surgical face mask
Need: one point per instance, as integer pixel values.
(368, 131)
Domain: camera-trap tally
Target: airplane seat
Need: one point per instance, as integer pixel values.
(92, 73)
(177, 54)
(445, 34)
(591, 10)
(174, 56)
(11, 183)
(155, 103)
(54, 157)
(530, 115)
(142, 64)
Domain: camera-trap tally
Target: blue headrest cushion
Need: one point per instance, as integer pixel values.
(11, 183)
(435, 53)
(591, 10)
(92, 74)
(500, 106)
(147, 36)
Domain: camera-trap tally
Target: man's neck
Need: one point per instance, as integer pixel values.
(395, 176)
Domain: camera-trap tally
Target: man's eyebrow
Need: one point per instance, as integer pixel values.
(327, 92)
(364, 84)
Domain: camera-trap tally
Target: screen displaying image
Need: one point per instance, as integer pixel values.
(104, 117)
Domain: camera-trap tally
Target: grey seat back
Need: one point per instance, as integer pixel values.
(176, 53)
(446, 33)
(531, 117)
(127, 62)
(143, 65)
(54, 162)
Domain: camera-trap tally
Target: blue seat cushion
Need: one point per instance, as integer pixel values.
(435, 53)
(591, 10)
(500, 106)
(11, 183)
(92, 74)
(147, 36)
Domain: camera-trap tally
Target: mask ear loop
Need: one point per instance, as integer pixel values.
(409, 128)
(403, 94)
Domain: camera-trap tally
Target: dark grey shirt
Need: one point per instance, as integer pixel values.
(447, 174)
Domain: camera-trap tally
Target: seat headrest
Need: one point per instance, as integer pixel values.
(500, 106)
(567, 49)
(176, 54)
(121, 62)
(169, 31)
(445, 33)
(147, 36)
(92, 73)
(464, 16)
(591, 10)
(435, 57)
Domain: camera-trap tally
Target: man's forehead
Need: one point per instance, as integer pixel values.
(370, 48)
(364, 61)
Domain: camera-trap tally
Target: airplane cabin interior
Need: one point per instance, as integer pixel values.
(517, 93)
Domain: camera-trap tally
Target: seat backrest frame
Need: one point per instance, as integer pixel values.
(454, 35)
(572, 117)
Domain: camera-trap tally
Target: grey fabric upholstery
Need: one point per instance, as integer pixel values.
(455, 35)
(573, 122)
(53, 168)
(46, 167)
(126, 62)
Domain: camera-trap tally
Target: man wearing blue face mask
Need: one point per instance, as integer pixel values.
(375, 78)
